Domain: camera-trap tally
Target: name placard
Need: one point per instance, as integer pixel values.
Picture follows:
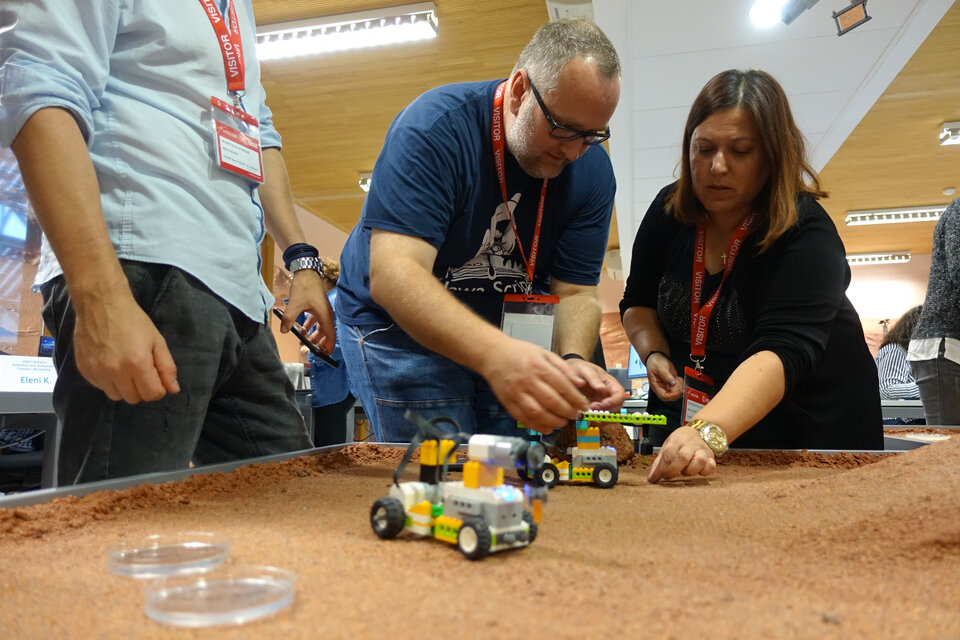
(24, 373)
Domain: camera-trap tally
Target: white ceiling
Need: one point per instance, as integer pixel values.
(670, 48)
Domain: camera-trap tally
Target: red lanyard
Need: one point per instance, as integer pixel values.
(496, 137)
(231, 45)
(700, 316)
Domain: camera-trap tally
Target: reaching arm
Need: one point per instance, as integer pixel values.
(117, 347)
(751, 392)
(646, 334)
(577, 329)
(307, 292)
(530, 382)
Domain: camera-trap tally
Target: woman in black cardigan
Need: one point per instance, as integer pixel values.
(736, 296)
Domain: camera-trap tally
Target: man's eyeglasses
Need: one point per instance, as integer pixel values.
(560, 132)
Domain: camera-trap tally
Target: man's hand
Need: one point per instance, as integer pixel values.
(119, 350)
(662, 376)
(683, 453)
(307, 293)
(602, 390)
(534, 385)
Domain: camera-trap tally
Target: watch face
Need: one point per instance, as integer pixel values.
(715, 438)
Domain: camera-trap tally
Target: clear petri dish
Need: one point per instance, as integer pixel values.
(225, 595)
(170, 554)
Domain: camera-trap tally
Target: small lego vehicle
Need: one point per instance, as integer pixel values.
(591, 462)
(480, 514)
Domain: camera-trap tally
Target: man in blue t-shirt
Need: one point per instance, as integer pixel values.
(476, 196)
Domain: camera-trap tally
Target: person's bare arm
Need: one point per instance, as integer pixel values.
(645, 333)
(117, 347)
(307, 292)
(756, 386)
(578, 329)
(531, 382)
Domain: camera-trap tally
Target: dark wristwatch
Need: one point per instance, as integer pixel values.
(307, 262)
(712, 435)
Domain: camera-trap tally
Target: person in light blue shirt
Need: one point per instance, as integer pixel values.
(150, 269)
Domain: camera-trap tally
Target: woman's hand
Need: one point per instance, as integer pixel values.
(683, 453)
(662, 376)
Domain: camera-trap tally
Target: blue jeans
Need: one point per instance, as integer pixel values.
(391, 372)
(235, 400)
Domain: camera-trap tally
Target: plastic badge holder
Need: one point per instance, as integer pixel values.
(165, 555)
(226, 595)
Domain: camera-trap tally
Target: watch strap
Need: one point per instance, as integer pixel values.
(307, 262)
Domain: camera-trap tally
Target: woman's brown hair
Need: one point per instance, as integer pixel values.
(900, 332)
(762, 97)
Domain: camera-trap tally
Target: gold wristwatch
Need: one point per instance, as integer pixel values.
(713, 435)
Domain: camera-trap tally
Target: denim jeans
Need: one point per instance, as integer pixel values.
(235, 400)
(390, 372)
(939, 383)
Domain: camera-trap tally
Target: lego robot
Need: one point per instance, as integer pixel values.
(591, 463)
(479, 514)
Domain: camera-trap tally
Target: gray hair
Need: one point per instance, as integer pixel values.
(560, 41)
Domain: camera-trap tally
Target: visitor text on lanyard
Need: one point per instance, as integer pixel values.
(496, 137)
(700, 316)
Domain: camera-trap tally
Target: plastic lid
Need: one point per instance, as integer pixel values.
(226, 595)
(170, 554)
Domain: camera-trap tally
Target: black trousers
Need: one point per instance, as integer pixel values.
(235, 400)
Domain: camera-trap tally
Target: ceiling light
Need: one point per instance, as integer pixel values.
(890, 257)
(887, 216)
(950, 133)
(365, 180)
(851, 16)
(766, 13)
(392, 25)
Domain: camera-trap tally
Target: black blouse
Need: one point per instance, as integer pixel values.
(790, 300)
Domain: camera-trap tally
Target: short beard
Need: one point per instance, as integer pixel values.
(520, 140)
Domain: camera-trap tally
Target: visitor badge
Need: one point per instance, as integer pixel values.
(530, 318)
(697, 392)
(236, 140)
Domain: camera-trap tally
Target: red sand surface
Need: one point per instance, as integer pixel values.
(774, 545)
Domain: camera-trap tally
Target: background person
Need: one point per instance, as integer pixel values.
(330, 387)
(896, 378)
(934, 352)
(441, 241)
(783, 356)
(151, 274)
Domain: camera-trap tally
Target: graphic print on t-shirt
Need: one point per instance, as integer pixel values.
(497, 266)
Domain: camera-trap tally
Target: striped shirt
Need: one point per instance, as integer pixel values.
(896, 378)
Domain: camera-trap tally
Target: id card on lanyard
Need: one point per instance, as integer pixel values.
(527, 316)
(698, 387)
(236, 132)
(530, 318)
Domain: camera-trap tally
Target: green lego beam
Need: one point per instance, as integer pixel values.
(624, 418)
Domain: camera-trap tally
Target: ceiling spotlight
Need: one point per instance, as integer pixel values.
(851, 17)
(766, 13)
(950, 133)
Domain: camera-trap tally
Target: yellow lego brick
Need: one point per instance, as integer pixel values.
(432, 453)
(588, 445)
(428, 452)
(422, 508)
(536, 508)
(490, 476)
(471, 474)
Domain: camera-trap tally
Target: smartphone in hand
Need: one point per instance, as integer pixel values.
(302, 334)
